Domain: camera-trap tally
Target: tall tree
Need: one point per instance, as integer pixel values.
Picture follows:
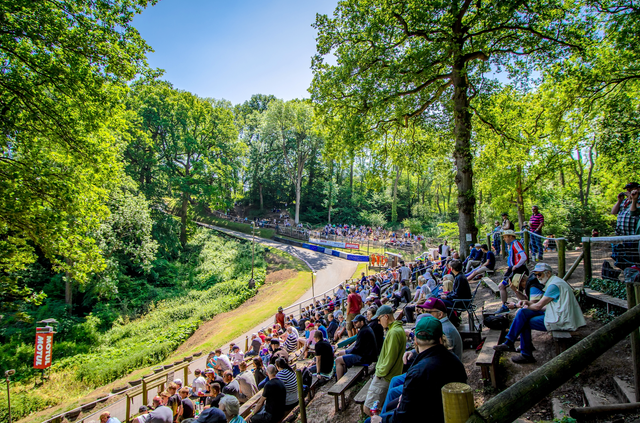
(398, 60)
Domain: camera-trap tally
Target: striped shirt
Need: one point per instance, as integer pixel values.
(291, 385)
(291, 343)
(517, 256)
(536, 221)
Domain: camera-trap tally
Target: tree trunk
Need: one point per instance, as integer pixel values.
(183, 218)
(351, 177)
(330, 191)
(520, 198)
(68, 289)
(298, 189)
(261, 197)
(463, 157)
(394, 203)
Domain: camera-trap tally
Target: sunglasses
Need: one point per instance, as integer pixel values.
(537, 274)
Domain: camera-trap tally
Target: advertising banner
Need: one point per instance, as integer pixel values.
(44, 345)
(335, 244)
(352, 246)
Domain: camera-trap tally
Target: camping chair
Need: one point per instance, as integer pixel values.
(460, 306)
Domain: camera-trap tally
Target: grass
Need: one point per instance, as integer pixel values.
(225, 327)
(234, 226)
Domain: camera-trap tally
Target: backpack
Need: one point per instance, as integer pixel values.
(306, 377)
(498, 322)
(608, 272)
(512, 226)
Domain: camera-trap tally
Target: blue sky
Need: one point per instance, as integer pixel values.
(232, 49)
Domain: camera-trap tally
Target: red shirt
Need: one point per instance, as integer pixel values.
(355, 303)
(280, 319)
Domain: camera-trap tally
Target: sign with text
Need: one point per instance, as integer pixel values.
(335, 244)
(44, 345)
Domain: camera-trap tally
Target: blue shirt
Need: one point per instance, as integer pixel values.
(552, 292)
(492, 260)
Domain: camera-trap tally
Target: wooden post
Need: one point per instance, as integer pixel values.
(562, 263)
(457, 401)
(586, 247)
(503, 246)
(489, 241)
(633, 297)
(573, 267)
(145, 398)
(520, 397)
(185, 382)
(303, 410)
(128, 413)
(527, 247)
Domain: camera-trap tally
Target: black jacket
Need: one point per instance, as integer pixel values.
(461, 288)
(378, 331)
(431, 370)
(365, 345)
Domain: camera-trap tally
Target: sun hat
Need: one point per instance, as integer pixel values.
(510, 232)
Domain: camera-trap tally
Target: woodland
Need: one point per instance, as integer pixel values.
(432, 116)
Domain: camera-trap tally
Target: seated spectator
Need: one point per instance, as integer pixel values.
(436, 308)
(342, 328)
(324, 359)
(475, 258)
(321, 328)
(557, 310)
(291, 341)
(331, 327)
(247, 382)
(364, 350)
(174, 399)
(259, 371)
(186, 409)
(233, 387)
(212, 415)
(433, 368)
(277, 351)
(105, 417)
(489, 264)
(161, 414)
(230, 406)
(214, 395)
(403, 295)
(288, 377)
(199, 384)
(237, 357)
(461, 289)
(256, 343)
(376, 327)
(222, 362)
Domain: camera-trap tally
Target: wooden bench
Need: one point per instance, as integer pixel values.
(361, 396)
(488, 358)
(245, 409)
(561, 340)
(607, 299)
(492, 286)
(338, 390)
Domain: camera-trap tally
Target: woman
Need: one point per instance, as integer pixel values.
(230, 406)
(259, 373)
(288, 377)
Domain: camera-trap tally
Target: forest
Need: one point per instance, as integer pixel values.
(436, 117)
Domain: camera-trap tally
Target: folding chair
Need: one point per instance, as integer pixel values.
(460, 306)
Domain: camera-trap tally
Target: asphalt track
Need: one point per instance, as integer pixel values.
(330, 271)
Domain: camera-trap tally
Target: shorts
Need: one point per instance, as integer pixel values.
(352, 360)
(350, 318)
(377, 392)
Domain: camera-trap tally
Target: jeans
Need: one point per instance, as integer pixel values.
(536, 245)
(524, 322)
(395, 390)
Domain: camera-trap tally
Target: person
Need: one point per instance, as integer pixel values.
(389, 362)
(364, 351)
(376, 327)
(633, 210)
(237, 357)
(212, 415)
(332, 326)
(324, 359)
(199, 383)
(105, 417)
(232, 387)
(174, 400)
(354, 304)
(342, 328)
(404, 271)
(475, 258)
(517, 265)
(247, 382)
(433, 368)
(279, 317)
(271, 406)
(291, 341)
(256, 343)
(496, 237)
(557, 310)
(288, 377)
(461, 289)
(230, 406)
(222, 362)
(536, 222)
(444, 250)
(403, 295)
(186, 409)
(489, 264)
(214, 395)
(625, 223)
(276, 351)
(160, 414)
(259, 371)
(507, 225)
(436, 308)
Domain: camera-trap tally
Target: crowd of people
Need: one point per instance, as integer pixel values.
(363, 233)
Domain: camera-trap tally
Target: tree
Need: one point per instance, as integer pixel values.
(195, 141)
(291, 125)
(409, 62)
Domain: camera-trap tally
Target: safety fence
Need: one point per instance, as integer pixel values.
(614, 258)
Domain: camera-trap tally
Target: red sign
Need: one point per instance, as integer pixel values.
(352, 246)
(44, 345)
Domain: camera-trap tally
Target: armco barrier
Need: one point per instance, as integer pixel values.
(324, 250)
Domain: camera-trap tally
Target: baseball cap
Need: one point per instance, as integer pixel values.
(208, 371)
(433, 303)
(428, 328)
(478, 245)
(142, 409)
(177, 381)
(542, 267)
(385, 309)
(360, 318)
(632, 185)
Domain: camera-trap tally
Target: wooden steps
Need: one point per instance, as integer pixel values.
(488, 358)
(625, 390)
(491, 285)
(338, 390)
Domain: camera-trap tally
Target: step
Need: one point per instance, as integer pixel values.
(559, 411)
(625, 390)
(596, 398)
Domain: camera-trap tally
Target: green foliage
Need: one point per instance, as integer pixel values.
(607, 286)
(414, 225)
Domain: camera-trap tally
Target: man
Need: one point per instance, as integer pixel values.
(444, 251)
(161, 414)
(271, 406)
(174, 400)
(506, 223)
(403, 294)
(405, 273)
(237, 357)
(489, 264)
(232, 387)
(342, 328)
(199, 383)
(364, 350)
(247, 382)
(436, 308)
(389, 362)
(626, 222)
(376, 327)
(256, 343)
(331, 327)
(354, 304)
(186, 410)
(634, 210)
(105, 417)
(536, 222)
(496, 237)
(279, 317)
(461, 289)
(214, 395)
(324, 356)
(433, 368)
(222, 362)
(276, 351)
(291, 338)
(475, 258)
(557, 310)
(517, 264)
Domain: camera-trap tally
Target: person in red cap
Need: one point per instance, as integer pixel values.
(437, 308)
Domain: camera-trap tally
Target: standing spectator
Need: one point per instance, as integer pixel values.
(626, 223)
(496, 237)
(517, 264)
(279, 317)
(557, 310)
(363, 352)
(389, 362)
(405, 272)
(506, 223)
(354, 304)
(536, 222)
(634, 211)
(444, 250)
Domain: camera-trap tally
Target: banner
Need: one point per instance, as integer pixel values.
(335, 244)
(44, 345)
